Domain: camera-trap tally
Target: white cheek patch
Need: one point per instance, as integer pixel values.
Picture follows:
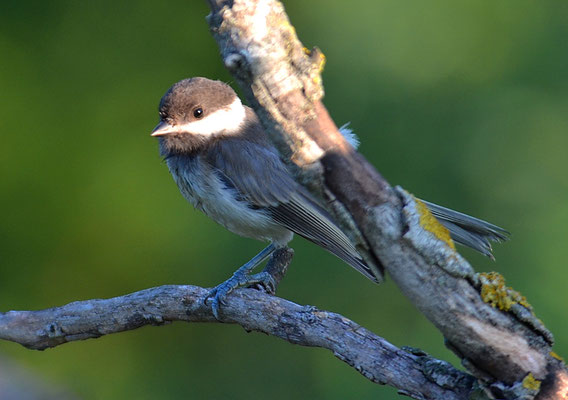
(226, 120)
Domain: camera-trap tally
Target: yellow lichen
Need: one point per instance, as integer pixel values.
(321, 61)
(531, 383)
(318, 58)
(554, 355)
(494, 292)
(432, 225)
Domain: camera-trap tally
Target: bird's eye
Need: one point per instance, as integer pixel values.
(198, 112)
(163, 115)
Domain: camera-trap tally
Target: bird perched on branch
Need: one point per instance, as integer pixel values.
(225, 165)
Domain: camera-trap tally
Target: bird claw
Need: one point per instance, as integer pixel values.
(216, 297)
(262, 280)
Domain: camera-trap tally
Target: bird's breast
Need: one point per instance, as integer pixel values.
(203, 186)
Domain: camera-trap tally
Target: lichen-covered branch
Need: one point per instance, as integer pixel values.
(413, 372)
(507, 349)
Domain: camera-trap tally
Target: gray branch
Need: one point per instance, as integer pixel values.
(414, 373)
(491, 327)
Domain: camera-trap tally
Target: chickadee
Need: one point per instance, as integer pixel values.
(225, 165)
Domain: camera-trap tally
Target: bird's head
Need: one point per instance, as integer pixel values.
(196, 110)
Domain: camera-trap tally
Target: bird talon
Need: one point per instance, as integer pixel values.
(216, 297)
(264, 281)
(215, 307)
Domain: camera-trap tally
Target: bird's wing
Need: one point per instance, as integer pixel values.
(256, 172)
(302, 215)
(261, 178)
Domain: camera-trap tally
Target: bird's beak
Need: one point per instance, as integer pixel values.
(163, 128)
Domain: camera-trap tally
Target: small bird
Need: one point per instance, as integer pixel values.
(225, 165)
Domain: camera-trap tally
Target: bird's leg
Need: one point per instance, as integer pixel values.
(242, 278)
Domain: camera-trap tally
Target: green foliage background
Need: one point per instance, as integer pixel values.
(463, 103)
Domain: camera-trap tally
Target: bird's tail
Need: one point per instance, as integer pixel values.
(469, 231)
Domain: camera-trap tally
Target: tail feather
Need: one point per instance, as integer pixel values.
(467, 230)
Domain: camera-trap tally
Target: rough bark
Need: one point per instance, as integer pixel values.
(414, 373)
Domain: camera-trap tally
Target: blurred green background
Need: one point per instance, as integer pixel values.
(462, 103)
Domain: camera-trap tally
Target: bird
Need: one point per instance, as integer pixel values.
(225, 165)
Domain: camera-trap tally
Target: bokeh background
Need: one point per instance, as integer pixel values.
(462, 103)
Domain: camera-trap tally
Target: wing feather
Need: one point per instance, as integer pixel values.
(262, 179)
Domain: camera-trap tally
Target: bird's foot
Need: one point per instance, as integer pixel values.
(239, 279)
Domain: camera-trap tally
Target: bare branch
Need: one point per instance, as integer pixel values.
(507, 348)
(417, 374)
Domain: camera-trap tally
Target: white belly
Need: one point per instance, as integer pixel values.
(203, 188)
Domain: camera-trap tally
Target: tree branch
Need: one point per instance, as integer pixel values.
(415, 373)
(503, 344)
